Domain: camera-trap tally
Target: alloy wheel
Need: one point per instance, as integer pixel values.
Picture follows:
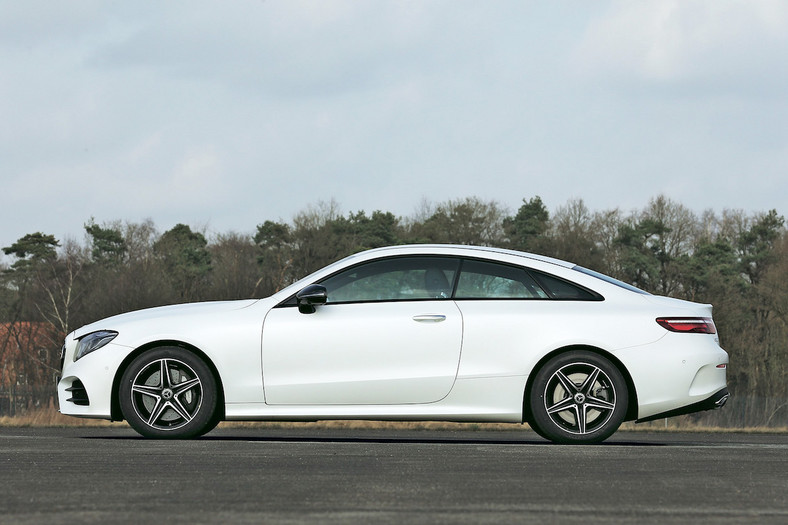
(166, 394)
(580, 398)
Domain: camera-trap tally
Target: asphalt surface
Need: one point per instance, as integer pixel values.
(110, 475)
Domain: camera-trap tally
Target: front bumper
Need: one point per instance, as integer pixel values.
(85, 387)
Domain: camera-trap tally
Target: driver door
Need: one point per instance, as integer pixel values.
(389, 333)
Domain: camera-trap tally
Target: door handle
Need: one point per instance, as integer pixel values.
(429, 318)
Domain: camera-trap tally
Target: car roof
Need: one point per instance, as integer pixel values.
(468, 250)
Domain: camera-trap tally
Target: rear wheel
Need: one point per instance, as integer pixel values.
(169, 392)
(578, 397)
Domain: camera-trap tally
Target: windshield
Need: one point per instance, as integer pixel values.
(610, 280)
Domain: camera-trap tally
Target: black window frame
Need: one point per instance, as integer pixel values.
(291, 301)
(535, 275)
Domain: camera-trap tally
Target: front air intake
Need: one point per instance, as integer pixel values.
(79, 395)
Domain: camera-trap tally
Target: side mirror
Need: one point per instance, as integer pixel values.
(309, 297)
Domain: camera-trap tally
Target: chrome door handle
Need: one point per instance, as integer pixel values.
(429, 318)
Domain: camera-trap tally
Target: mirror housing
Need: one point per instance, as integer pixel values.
(310, 296)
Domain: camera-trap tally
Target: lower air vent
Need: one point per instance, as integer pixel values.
(79, 396)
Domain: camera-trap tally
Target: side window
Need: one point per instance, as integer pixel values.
(487, 280)
(560, 289)
(396, 279)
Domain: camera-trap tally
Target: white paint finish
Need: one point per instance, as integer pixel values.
(461, 361)
(664, 371)
(361, 353)
(489, 399)
(505, 337)
(95, 370)
(229, 333)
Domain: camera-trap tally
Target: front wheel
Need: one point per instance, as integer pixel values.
(578, 397)
(169, 392)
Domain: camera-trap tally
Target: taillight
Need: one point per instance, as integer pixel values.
(688, 325)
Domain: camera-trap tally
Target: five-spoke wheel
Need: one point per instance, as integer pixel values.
(578, 397)
(169, 392)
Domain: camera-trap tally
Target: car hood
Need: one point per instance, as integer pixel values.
(117, 322)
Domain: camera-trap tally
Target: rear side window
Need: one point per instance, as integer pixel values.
(564, 290)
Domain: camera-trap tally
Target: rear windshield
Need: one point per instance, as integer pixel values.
(610, 280)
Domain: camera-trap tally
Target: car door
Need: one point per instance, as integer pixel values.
(389, 333)
(512, 315)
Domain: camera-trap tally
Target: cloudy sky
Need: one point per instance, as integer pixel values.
(224, 114)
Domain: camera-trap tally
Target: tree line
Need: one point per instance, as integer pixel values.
(736, 260)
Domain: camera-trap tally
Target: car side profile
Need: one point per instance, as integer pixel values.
(420, 332)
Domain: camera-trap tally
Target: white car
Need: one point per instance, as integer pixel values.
(422, 332)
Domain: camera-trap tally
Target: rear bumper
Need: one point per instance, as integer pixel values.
(713, 402)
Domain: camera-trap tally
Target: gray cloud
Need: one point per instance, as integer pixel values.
(229, 114)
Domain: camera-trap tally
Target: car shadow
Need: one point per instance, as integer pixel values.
(419, 441)
(478, 438)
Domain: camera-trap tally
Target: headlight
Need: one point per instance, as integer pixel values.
(93, 341)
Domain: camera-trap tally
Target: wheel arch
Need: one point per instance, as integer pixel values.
(632, 408)
(117, 414)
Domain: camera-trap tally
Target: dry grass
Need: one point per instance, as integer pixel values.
(50, 417)
(660, 426)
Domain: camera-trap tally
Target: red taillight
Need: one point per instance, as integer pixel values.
(688, 325)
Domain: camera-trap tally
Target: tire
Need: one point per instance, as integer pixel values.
(578, 397)
(181, 404)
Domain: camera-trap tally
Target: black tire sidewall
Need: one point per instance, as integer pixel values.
(542, 422)
(202, 422)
